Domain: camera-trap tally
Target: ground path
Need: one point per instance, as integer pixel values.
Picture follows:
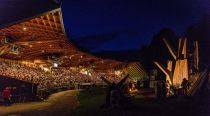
(63, 103)
(59, 104)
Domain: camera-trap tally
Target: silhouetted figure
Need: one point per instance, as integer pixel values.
(138, 84)
(184, 86)
(22, 91)
(130, 86)
(14, 94)
(110, 89)
(159, 90)
(114, 96)
(114, 92)
(163, 89)
(6, 96)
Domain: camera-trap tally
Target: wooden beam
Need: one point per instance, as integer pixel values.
(165, 71)
(173, 53)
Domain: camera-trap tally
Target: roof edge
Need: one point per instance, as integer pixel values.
(29, 18)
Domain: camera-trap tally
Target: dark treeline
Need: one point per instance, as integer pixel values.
(157, 50)
(201, 32)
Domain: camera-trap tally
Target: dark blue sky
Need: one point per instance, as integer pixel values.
(135, 21)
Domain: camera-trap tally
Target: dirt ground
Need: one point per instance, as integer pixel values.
(59, 104)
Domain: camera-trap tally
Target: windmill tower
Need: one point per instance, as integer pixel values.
(180, 71)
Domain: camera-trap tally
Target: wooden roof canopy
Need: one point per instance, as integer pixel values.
(38, 36)
(44, 35)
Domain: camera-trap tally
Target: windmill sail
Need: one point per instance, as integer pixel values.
(173, 53)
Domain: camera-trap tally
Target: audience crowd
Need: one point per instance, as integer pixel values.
(58, 77)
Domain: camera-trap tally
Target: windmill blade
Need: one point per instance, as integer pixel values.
(106, 81)
(179, 46)
(184, 50)
(170, 65)
(165, 71)
(173, 53)
(123, 80)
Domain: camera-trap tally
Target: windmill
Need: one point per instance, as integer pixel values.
(112, 86)
(119, 84)
(180, 71)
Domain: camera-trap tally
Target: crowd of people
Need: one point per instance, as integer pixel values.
(58, 77)
(70, 77)
(45, 81)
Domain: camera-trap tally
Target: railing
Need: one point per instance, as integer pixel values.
(46, 92)
(20, 98)
(199, 80)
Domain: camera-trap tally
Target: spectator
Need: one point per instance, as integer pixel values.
(6, 96)
(184, 86)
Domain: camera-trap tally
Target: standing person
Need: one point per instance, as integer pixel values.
(6, 96)
(14, 98)
(159, 90)
(138, 84)
(184, 86)
(110, 91)
(22, 92)
(32, 86)
(155, 88)
(163, 88)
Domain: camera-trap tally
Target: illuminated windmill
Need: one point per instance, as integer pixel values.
(180, 71)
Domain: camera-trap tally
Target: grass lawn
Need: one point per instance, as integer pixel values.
(91, 100)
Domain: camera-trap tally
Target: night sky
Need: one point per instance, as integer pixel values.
(134, 21)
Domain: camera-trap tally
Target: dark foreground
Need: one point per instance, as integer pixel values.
(91, 101)
(59, 104)
(64, 104)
